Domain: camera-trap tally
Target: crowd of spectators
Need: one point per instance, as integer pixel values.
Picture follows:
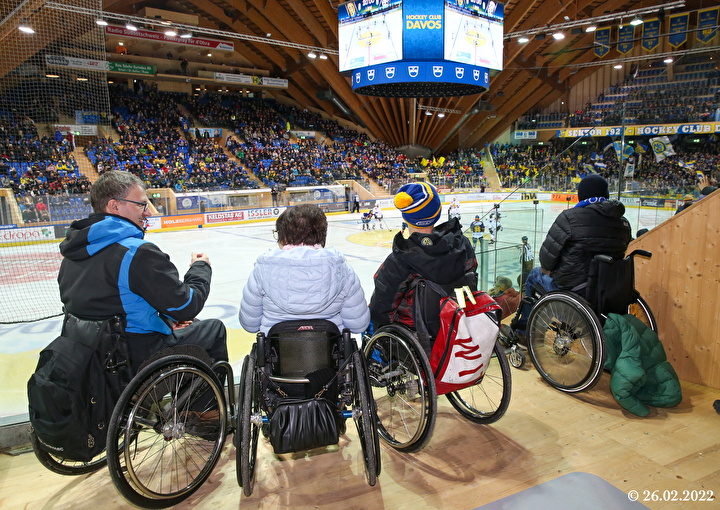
(560, 166)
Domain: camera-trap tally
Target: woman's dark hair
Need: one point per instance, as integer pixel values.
(305, 224)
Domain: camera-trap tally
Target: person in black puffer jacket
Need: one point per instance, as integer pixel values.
(595, 225)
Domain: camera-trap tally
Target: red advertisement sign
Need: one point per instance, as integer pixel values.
(222, 217)
(563, 197)
(187, 220)
(160, 37)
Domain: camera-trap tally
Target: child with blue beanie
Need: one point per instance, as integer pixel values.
(439, 253)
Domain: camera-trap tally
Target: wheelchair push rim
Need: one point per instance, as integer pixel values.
(364, 416)
(172, 447)
(486, 401)
(62, 466)
(403, 388)
(566, 342)
(250, 420)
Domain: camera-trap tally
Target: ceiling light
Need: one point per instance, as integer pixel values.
(209, 54)
(171, 33)
(441, 115)
(52, 76)
(323, 56)
(523, 40)
(25, 28)
(268, 34)
(81, 78)
(186, 35)
(618, 66)
(591, 28)
(101, 22)
(428, 112)
(668, 60)
(312, 54)
(121, 43)
(131, 27)
(637, 20)
(559, 35)
(110, 81)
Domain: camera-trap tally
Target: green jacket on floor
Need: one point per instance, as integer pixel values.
(641, 374)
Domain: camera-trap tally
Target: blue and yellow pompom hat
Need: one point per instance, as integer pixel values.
(419, 204)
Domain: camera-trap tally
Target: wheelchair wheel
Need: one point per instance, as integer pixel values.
(365, 418)
(487, 400)
(63, 466)
(566, 342)
(172, 420)
(249, 425)
(641, 310)
(237, 438)
(403, 388)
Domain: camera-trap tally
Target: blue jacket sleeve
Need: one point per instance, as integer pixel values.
(154, 278)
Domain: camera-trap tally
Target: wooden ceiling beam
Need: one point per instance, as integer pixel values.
(307, 17)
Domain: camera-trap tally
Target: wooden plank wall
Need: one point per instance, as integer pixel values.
(681, 283)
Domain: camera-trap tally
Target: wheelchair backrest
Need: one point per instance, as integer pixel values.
(303, 346)
(611, 285)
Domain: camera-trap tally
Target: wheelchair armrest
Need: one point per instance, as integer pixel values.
(347, 344)
(641, 253)
(604, 258)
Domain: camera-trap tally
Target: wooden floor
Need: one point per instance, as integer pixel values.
(544, 435)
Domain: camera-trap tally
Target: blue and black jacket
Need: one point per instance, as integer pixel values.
(109, 269)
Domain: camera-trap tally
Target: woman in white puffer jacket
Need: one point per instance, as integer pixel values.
(301, 279)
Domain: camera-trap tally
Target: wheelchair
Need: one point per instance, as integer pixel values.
(298, 364)
(404, 387)
(564, 331)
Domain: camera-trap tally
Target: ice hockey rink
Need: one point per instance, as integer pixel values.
(233, 250)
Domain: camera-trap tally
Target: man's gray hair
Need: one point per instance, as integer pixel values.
(112, 186)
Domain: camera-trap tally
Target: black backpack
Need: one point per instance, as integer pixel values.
(75, 386)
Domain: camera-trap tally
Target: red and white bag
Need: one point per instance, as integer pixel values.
(468, 332)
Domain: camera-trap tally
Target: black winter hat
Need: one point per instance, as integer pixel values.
(593, 186)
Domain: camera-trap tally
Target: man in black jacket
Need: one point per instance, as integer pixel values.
(595, 225)
(109, 269)
(441, 254)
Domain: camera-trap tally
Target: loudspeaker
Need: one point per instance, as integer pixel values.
(324, 95)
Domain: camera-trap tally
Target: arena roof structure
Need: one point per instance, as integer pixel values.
(297, 41)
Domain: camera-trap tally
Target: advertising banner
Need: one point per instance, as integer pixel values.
(244, 79)
(707, 24)
(211, 44)
(187, 220)
(22, 235)
(678, 29)
(85, 64)
(81, 129)
(563, 197)
(224, 217)
(667, 129)
(602, 42)
(274, 82)
(651, 34)
(525, 135)
(626, 39)
(126, 67)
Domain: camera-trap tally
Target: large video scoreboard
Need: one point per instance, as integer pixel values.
(435, 40)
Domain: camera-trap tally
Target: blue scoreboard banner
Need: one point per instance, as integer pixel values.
(420, 71)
